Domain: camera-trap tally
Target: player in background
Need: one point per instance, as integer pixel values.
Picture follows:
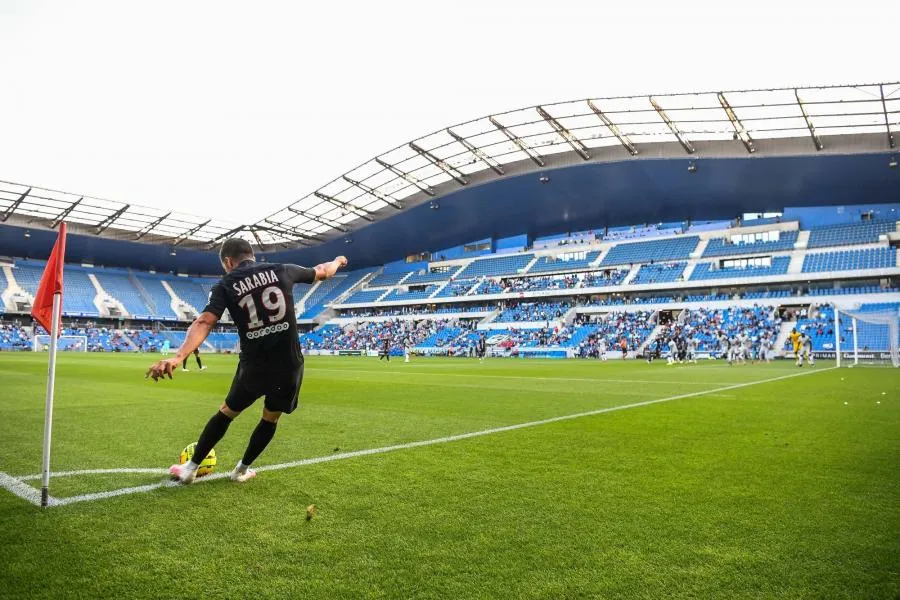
(673, 352)
(765, 348)
(407, 346)
(795, 342)
(196, 357)
(805, 351)
(166, 348)
(385, 349)
(692, 345)
(723, 344)
(259, 297)
(748, 346)
(481, 348)
(602, 347)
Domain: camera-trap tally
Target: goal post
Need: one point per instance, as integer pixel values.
(873, 336)
(66, 343)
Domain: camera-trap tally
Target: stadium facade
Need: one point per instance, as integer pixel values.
(544, 229)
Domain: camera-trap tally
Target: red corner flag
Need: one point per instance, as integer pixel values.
(51, 283)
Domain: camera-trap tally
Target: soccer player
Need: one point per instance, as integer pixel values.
(166, 347)
(673, 352)
(259, 297)
(692, 346)
(385, 349)
(196, 357)
(723, 345)
(407, 344)
(481, 347)
(602, 347)
(805, 350)
(795, 342)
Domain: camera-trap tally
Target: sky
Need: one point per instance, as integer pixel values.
(236, 109)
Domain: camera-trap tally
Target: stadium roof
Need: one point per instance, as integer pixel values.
(482, 150)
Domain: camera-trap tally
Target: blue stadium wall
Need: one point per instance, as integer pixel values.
(575, 198)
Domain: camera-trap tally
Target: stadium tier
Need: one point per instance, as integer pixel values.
(849, 234)
(547, 263)
(365, 296)
(536, 311)
(722, 247)
(850, 260)
(660, 273)
(121, 288)
(779, 266)
(457, 288)
(387, 279)
(190, 291)
(421, 294)
(496, 267)
(427, 277)
(655, 251)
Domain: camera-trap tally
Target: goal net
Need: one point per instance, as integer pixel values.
(68, 343)
(869, 336)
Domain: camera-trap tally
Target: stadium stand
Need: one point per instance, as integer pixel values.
(546, 263)
(120, 287)
(511, 264)
(849, 234)
(387, 279)
(428, 277)
(659, 273)
(399, 294)
(365, 296)
(13, 337)
(78, 293)
(849, 260)
(655, 251)
(457, 288)
(533, 311)
(779, 266)
(721, 247)
(330, 290)
(190, 291)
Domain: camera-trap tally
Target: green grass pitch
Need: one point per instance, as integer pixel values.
(786, 488)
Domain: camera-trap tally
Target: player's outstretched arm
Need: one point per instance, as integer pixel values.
(196, 333)
(327, 270)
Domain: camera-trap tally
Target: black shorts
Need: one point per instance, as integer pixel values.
(281, 387)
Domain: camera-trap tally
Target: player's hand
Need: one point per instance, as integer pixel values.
(341, 261)
(160, 369)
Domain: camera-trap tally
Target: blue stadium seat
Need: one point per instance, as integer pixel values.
(400, 294)
(120, 287)
(659, 273)
(850, 260)
(849, 234)
(496, 266)
(361, 296)
(779, 266)
(387, 279)
(719, 247)
(655, 251)
(547, 264)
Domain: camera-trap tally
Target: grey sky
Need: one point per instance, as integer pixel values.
(237, 109)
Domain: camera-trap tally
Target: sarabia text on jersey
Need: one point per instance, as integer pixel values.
(260, 299)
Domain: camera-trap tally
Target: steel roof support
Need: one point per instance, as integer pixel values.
(315, 219)
(184, 236)
(406, 176)
(478, 152)
(14, 206)
(286, 233)
(623, 139)
(537, 158)
(673, 127)
(887, 122)
(373, 192)
(363, 214)
(65, 213)
(152, 226)
(739, 129)
(104, 225)
(809, 124)
(453, 172)
(212, 243)
(565, 134)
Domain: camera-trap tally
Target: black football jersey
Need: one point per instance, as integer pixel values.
(260, 299)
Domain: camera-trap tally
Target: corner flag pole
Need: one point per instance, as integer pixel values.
(46, 310)
(48, 405)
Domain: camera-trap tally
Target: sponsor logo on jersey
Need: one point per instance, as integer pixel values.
(255, 335)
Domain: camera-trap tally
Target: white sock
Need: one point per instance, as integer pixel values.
(241, 467)
(191, 466)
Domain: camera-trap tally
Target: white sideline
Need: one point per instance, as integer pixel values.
(17, 487)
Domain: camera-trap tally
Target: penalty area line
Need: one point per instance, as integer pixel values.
(370, 451)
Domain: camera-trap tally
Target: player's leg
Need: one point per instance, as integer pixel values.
(242, 394)
(184, 364)
(281, 397)
(199, 364)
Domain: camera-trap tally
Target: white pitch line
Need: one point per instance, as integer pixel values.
(525, 377)
(405, 446)
(156, 471)
(22, 490)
